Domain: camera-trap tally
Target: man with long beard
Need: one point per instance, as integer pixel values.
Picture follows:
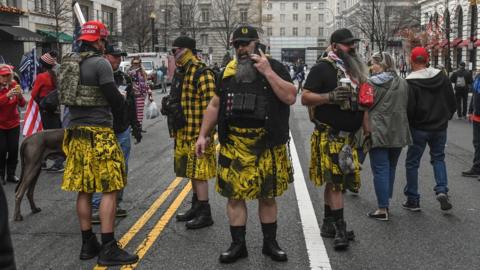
(251, 107)
(193, 86)
(334, 158)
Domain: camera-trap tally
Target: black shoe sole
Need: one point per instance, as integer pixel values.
(470, 175)
(340, 246)
(241, 256)
(444, 203)
(88, 257)
(277, 259)
(418, 209)
(380, 217)
(190, 227)
(107, 263)
(350, 235)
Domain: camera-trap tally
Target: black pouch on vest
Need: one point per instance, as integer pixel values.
(249, 103)
(237, 105)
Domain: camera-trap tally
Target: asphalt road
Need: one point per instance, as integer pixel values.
(430, 239)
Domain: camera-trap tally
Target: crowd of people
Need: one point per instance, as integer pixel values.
(356, 107)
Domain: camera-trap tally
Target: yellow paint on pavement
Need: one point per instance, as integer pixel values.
(145, 217)
(159, 227)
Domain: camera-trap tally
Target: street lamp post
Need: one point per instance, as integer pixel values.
(152, 21)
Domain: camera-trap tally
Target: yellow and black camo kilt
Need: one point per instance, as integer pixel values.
(247, 171)
(324, 166)
(95, 162)
(188, 165)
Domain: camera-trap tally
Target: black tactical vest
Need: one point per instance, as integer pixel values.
(255, 103)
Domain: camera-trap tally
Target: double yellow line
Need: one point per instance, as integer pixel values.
(161, 224)
(152, 236)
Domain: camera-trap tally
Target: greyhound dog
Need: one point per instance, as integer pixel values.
(33, 151)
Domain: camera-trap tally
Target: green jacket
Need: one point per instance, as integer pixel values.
(388, 116)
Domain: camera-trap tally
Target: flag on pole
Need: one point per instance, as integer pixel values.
(28, 70)
(33, 120)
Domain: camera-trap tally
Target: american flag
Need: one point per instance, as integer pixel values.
(28, 70)
(33, 121)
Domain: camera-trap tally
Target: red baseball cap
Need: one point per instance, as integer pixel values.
(6, 69)
(419, 54)
(92, 31)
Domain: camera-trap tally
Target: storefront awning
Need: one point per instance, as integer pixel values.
(52, 36)
(455, 42)
(464, 43)
(19, 34)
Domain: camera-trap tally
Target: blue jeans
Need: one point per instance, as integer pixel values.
(383, 162)
(436, 141)
(125, 144)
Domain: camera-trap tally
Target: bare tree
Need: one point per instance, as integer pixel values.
(61, 12)
(382, 20)
(136, 23)
(229, 15)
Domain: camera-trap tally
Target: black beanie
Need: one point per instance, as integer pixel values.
(185, 42)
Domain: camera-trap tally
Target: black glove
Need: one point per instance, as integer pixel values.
(340, 94)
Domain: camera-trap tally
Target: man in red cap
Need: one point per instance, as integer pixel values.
(95, 162)
(431, 103)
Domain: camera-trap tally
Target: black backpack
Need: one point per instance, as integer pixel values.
(50, 102)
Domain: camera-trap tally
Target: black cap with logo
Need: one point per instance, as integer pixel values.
(343, 36)
(245, 33)
(114, 50)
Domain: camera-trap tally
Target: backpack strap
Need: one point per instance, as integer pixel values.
(199, 72)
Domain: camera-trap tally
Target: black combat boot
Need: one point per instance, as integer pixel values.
(111, 254)
(341, 241)
(203, 216)
(328, 229)
(238, 248)
(90, 248)
(270, 244)
(190, 213)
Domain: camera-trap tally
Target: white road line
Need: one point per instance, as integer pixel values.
(317, 253)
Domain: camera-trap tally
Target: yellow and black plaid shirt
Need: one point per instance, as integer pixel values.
(195, 100)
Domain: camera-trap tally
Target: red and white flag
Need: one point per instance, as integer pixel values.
(33, 120)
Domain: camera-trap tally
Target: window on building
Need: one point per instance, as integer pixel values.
(282, 6)
(108, 20)
(295, 17)
(204, 39)
(321, 4)
(244, 15)
(308, 31)
(205, 15)
(9, 3)
(269, 17)
(295, 5)
(282, 31)
(321, 32)
(41, 5)
(269, 31)
(295, 31)
(269, 6)
(86, 12)
(52, 7)
(321, 17)
(308, 6)
(308, 17)
(282, 17)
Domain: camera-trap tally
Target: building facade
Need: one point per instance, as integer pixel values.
(450, 32)
(296, 30)
(48, 24)
(206, 22)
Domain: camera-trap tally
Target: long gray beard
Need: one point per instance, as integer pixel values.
(354, 66)
(246, 72)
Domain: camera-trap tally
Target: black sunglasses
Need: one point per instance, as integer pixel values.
(240, 43)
